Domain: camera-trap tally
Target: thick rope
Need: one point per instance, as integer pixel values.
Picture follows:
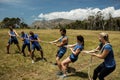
(90, 64)
(89, 68)
(46, 42)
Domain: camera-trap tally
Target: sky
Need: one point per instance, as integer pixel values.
(32, 10)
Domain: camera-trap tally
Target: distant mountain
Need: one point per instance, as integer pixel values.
(50, 23)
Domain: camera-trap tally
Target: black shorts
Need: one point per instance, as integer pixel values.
(60, 53)
(38, 47)
(13, 40)
(73, 58)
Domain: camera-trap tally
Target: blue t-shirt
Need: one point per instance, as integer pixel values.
(78, 46)
(13, 34)
(109, 59)
(60, 40)
(26, 38)
(34, 37)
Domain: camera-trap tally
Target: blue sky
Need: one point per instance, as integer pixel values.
(31, 10)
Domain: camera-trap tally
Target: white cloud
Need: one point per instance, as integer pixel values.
(80, 14)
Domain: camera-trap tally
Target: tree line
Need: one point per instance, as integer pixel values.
(15, 22)
(96, 22)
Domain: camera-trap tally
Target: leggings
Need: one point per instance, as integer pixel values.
(101, 71)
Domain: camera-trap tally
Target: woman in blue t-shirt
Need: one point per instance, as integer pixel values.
(107, 54)
(76, 49)
(26, 42)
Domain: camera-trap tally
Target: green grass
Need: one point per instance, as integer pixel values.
(16, 67)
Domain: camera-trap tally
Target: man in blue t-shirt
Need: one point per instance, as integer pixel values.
(13, 39)
(62, 50)
(35, 45)
(26, 42)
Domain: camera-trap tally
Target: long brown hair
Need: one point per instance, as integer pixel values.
(81, 39)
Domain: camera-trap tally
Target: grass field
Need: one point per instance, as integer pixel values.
(16, 67)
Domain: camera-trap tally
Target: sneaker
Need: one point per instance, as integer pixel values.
(63, 76)
(68, 71)
(59, 73)
(33, 61)
(43, 59)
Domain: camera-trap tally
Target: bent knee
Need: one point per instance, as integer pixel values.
(63, 63)
(57, 58)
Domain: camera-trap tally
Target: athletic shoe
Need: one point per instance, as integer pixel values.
(68, 71)
(33, 61)
(59, 73)
(43, 59)
(63, 76)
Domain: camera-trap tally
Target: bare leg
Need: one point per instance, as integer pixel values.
(32, 54)
(18, 47)
(65, 64)
(8, 46)
(59, 63)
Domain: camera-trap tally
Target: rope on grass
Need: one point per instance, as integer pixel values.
(89, 68)
(90, 64)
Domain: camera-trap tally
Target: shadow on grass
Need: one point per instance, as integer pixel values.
(79, 74)
(40, 59)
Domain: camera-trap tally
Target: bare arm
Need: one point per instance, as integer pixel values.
(70, 46)
(76, 52)
(9, 33)
(16, 33)
(92, 51)
(22, 39)
(95, 50)
(38, 39)
(102, 55)
(34, 40)
(64, 41)
(55, 41)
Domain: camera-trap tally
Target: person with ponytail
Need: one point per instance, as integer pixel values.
(109, 64)
(75, 49)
